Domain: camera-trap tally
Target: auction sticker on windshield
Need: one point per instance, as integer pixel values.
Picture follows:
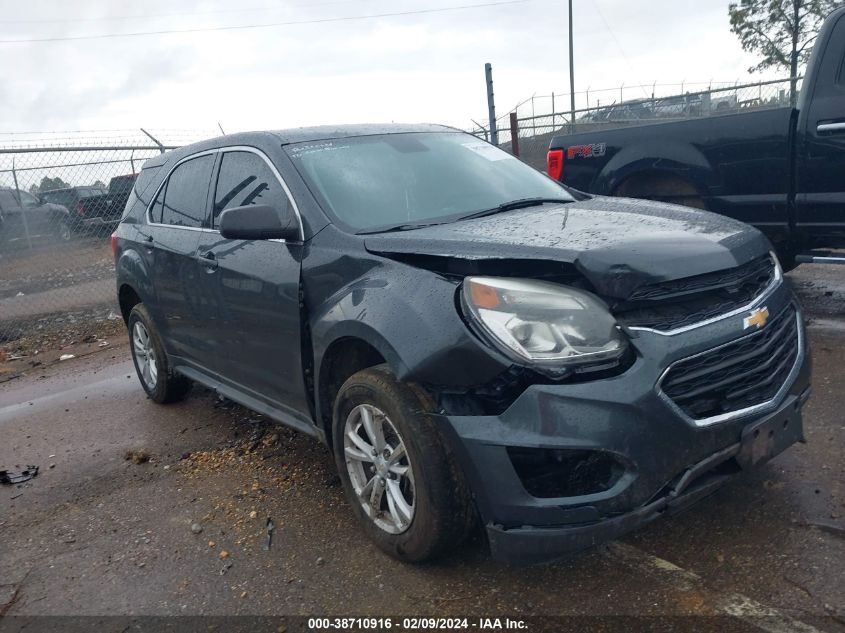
(488, 151)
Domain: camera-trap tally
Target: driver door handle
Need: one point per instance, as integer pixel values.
(831, 128)
(208, 260)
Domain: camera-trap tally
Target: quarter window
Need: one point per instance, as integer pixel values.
(841, 80)
(186, 194)
(155, 211)
(245, 179)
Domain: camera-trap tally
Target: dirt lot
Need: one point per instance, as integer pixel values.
(106, 526)
(55, 303)
(82, 260)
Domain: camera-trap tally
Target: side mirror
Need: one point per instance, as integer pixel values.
(258, 222)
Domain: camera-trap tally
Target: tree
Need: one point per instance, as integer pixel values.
(781, 31)
(47, 184)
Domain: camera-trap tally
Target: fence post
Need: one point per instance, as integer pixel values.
(514, 134)
(20, 202)
(491, 104)
(533, 118)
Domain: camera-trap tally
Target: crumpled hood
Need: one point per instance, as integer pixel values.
(617, 244)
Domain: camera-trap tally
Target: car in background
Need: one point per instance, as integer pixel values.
(26, 221)
(627, 111)
(72, 199)
(777, 168)
(101, 214)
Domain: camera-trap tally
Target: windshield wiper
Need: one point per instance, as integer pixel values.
(398, 227)
(522, 203)
(506, 206)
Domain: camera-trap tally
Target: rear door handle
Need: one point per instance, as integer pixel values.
(831, 128)
(207, 259)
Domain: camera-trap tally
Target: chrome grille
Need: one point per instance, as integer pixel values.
(684, 302)
(743, 374)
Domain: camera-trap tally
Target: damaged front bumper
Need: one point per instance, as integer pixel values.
(568, 466)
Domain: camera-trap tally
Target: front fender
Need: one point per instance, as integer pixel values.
(410, 316)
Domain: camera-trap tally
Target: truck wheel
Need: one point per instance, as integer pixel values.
(63, 231)
(402, 482)
(661, 188)
(157, 378)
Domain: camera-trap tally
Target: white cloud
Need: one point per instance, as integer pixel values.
(415, 68)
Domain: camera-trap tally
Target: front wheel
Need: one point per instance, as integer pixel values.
(398, 475)
(157, 378)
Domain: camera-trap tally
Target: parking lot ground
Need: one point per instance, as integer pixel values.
(96, 533)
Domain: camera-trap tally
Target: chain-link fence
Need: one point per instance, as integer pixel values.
(60, 200)
(541, 118)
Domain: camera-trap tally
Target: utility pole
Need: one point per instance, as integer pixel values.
(491, 105)
(571, 69)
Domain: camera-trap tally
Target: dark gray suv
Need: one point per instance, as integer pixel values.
(475, 342)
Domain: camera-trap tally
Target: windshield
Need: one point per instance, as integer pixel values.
(58, 197)
(395, 179)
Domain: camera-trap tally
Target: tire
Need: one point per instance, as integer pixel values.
(157, 378)
(438, 512)
(662, 188)
(63, 231)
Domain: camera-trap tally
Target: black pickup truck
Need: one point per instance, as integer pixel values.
(781, 170)
(101, 214)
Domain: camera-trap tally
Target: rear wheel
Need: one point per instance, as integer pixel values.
(63, 231)
(157, 378)
(662, 188)
(399, 477)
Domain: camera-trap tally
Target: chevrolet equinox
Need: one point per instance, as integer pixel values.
(475, 342)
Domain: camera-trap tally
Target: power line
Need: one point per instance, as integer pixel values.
(107, 18)
(103, 36)
(618, 45)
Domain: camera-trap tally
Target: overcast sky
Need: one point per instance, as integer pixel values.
(405, 68)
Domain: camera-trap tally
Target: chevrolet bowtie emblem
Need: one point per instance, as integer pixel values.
(758, 317)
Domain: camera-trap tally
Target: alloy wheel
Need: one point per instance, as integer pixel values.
(379, 468)
(145, 356)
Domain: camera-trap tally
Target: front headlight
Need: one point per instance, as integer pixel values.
(542, 324)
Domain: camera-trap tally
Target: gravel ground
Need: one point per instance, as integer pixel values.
(79, 261)
(145, 510)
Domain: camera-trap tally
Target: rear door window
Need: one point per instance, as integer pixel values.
(245, 179)
(186, 193)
